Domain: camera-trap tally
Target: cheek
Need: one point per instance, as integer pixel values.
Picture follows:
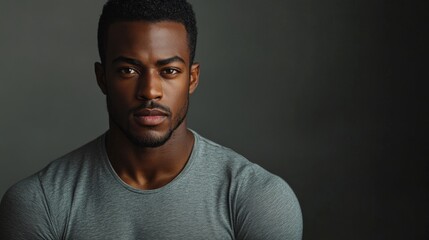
(124, 92)
(177, 93)
(120, 99)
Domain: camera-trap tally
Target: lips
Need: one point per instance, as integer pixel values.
(150, 117)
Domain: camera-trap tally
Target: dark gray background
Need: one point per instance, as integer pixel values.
(326, 94)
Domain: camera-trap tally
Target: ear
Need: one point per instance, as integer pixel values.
(194, 78)
(101, 79)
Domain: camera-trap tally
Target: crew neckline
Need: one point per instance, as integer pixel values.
(172, 183)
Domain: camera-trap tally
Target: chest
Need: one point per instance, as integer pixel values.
(194, 212)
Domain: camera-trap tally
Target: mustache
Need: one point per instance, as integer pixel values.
(152, 105)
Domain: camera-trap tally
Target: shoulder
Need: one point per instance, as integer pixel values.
(56, 170)
(244, 173)
(29, 186)
(24, 212)
(73, 164)
(219, 159)
(69, 176)
(263, 205)
(266, 207)
(37, 202)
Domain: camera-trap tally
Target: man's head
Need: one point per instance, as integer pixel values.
(147, 70)
(147, 10)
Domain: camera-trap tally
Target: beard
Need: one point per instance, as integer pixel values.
(150, 140)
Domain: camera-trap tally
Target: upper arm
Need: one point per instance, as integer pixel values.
(267, 208)
(24, 213)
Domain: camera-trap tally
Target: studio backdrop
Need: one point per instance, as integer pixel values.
(325, 94)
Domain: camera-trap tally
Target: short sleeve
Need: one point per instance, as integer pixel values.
(266, 208)
(24, 213)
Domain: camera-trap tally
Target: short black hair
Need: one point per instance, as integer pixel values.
(147, 10)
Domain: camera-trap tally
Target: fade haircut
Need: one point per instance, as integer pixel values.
(147, 10)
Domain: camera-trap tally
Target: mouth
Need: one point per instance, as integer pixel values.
(150, 116)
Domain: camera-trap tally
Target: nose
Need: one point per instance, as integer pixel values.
(149, 86)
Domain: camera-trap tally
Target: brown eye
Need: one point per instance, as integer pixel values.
(127, 71)
(169, 72)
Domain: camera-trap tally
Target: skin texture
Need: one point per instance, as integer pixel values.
(147, 71)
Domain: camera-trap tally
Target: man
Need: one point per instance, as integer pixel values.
(149, 176)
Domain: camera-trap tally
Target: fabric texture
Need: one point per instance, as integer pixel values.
(218, 195)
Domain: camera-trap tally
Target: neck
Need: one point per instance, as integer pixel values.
(149, 167)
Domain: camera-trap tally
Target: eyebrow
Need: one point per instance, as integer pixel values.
(127, 60)
(136, 62)
(163, 62)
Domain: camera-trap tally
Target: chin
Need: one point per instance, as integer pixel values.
(150, 138)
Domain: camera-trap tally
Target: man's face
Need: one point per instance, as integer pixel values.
(147, 78)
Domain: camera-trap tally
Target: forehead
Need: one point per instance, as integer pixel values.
(147, 40)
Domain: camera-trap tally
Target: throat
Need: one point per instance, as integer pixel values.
(151, 168)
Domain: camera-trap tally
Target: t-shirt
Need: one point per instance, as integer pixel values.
(218, 195)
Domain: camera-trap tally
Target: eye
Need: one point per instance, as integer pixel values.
(127, 71)
(169, 72)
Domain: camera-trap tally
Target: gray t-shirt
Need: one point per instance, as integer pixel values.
(218, 195)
